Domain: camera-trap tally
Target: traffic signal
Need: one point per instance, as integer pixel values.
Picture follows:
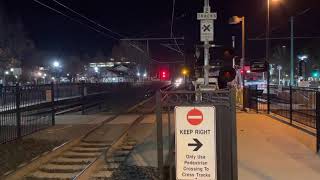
(164, 74)
(228, 56)
(226, 74)
(315, 74)
(185, 71)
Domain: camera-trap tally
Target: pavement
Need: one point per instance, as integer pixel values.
(271, 150)
(267, 149)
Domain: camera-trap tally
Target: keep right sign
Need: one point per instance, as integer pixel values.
(195, 143)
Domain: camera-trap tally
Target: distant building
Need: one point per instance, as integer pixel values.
(110, 72)
(115, 76)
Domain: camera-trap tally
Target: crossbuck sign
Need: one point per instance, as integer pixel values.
(206, 29)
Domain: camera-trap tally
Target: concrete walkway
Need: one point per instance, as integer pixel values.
(267, 149)
(271, 150)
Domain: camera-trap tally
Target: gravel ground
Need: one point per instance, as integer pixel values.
(15, 153)
(135, 173)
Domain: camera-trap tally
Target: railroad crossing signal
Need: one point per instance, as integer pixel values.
(206, 27)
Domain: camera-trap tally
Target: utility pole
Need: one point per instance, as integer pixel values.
(243, 21)
(267, 55)
(292, 53)
(234, 46)
(243, 41)
(233, 42)
(149, 61)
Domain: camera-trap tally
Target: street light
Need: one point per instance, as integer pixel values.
(242, 20)
(6, 72)
(303, 57)
(279, 67)
(267, 49)
(184, 72)
(56, 64)
(96, 69)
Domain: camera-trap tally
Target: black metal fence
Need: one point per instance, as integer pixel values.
(24, 110)
(300, 106)
(30, 108)
(296, 104)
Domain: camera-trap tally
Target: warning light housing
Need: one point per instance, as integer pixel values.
(226, 74)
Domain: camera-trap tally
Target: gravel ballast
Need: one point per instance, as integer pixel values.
(15, 153)
(126, 172)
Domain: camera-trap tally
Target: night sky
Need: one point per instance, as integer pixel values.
(151, 18)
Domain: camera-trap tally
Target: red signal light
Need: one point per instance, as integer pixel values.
(227, 74)
(164, 74)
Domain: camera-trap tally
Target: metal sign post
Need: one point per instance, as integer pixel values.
(206, 35)
(196, 143)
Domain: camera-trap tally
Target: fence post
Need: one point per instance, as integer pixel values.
(257, 100)
(318, 120)
(290, 104)
(53, 113)
(159, 134)
(18, 113)
(82, 98)
(268, 92)
(243, 98)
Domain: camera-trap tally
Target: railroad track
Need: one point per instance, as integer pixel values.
(93, 156)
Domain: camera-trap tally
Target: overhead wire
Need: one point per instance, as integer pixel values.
(172, 24)
(280, 26)
(75, 20)
(90, 20)
(90, 27)
(108, 29)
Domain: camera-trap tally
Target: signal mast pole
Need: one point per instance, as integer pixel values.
(206, 36)
(206, 9)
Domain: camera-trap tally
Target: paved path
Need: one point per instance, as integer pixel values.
(267, 149)
(271, 150)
